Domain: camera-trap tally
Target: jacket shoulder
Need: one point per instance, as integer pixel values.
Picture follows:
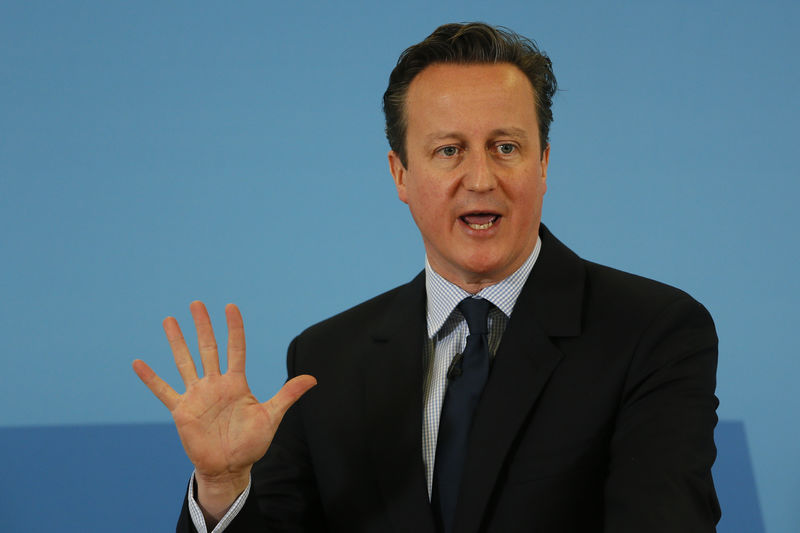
(637, 292)
(364, 318)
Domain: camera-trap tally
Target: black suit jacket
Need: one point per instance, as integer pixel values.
(598, 415)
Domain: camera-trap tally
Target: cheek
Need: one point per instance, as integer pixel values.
(430, 210)
(527, 202)
(425, 212)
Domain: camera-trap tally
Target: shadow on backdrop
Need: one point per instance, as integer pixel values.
(736, 485)
(132, 478)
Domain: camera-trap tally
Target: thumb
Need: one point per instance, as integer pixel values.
(291, 391)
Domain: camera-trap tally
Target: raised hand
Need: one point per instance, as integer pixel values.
(223, 427)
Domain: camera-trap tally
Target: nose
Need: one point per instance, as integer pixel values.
(479, 176)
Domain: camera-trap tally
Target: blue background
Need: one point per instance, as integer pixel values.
(155, 153)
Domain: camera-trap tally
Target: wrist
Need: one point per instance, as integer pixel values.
(216, 494)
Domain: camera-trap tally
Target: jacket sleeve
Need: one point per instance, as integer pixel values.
(662, 448)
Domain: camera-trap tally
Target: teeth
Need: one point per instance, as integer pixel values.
(482, 226)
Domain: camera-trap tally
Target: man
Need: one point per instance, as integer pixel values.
(512, 386)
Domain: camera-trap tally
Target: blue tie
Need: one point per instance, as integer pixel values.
(465, 380)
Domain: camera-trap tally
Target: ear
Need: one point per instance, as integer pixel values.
(544, 162)
(398, 171)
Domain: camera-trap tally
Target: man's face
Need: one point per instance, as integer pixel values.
(475, 175)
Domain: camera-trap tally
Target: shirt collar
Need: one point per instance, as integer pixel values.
(444, 296)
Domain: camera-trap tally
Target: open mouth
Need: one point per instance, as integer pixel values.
(480, 221)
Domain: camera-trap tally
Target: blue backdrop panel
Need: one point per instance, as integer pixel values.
(124, 478)
(733, 477)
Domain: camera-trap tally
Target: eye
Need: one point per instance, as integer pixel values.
(448, 151)
(506, 148)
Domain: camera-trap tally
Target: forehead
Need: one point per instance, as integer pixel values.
(470, 98)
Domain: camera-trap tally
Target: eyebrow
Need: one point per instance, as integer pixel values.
(510, 132)
(440, 135)
(518, 133)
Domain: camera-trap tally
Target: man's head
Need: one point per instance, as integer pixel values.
(473, 165)
(465, 44)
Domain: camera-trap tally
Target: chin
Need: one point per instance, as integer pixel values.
(480, 270)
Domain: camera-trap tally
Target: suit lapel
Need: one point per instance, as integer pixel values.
(548, 306)
(393, 399)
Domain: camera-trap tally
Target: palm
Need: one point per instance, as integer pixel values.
(223, 427)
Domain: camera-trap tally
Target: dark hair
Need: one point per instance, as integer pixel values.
(473, 42)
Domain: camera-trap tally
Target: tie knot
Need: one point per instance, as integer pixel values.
(476, 312)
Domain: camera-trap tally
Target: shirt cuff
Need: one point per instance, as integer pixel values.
(197, 514)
